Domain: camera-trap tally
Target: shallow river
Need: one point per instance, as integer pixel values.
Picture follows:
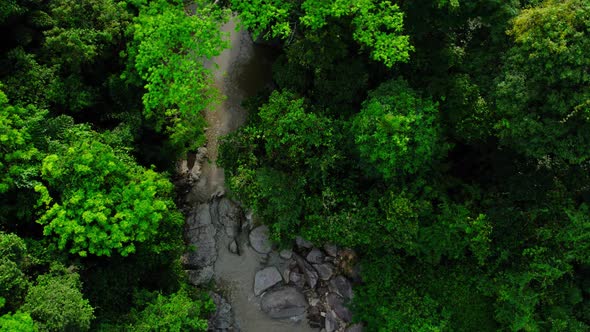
(243, 69)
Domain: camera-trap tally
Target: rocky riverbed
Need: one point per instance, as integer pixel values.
(258, 287)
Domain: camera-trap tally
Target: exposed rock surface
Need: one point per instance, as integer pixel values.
(325, 271)
(223, 318)
(311, 276)
(230, 216)
(286, 254)
(337, 304)
(315, 256)
(201, 236)
(265, 279)
(259, 240)
(341, 286)
(303, 243)
(284, 303)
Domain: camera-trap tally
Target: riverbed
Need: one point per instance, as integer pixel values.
(242, 70)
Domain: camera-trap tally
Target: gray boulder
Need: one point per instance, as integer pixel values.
(303, 243)
(332, 323)
(315, 256)
(265, 279)
(284, 302)
(286, 254)
(200, 276)
(325, 271)
(259, 240)
(200, 234)
(233, 247)
(337, 304)
(297, 279)
(331, 250)
(341, 286)
(230, 216)
(311, 276)
(223, 318)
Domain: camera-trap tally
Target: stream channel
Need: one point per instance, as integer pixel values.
(242, 71)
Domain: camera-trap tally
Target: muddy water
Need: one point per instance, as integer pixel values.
(242, 70)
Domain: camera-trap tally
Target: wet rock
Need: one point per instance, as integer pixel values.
(286, 254)
(297, 279)
(325, 271)
(201, 276)
(332, 323)
(223, 318)
(265, 279)
(311, 276)
(337, 304)
(354, 328)
(315, 256)
(302, 243)
(284, 302)
(230, 215)
(201, 237)
(331, 250)
(233, 247)
(259, 240)
(341, 286)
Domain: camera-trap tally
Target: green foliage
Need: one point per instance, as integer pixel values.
(167, 54)
(18, 321)
(98, 201)
(176, 312)
(544, 90)
(83, 31)
(397, 131)
(56, 304)
(18, 154)
(13, 282)
(378, 24)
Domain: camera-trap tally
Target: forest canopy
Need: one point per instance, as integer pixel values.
(447, 142)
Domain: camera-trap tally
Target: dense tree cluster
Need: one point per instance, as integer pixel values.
(446, 141)
(90, 236)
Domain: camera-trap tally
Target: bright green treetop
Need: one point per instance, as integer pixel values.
(396, 130)
(98, 201)
(378, 24)
(544, 92)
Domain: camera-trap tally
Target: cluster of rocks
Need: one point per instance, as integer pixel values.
(204, 222)
(300, 283)
(313, 283)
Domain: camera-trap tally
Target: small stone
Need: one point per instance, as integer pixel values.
(283, 303)
(286, 254)
(341, 286)
(259, 240)
(302, 243)
(233, 247)
(315, 256)
(331, 250)
(265, 279)
(313, 301)
(324, 270)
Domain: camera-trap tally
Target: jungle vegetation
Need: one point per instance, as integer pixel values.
(446, 141)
